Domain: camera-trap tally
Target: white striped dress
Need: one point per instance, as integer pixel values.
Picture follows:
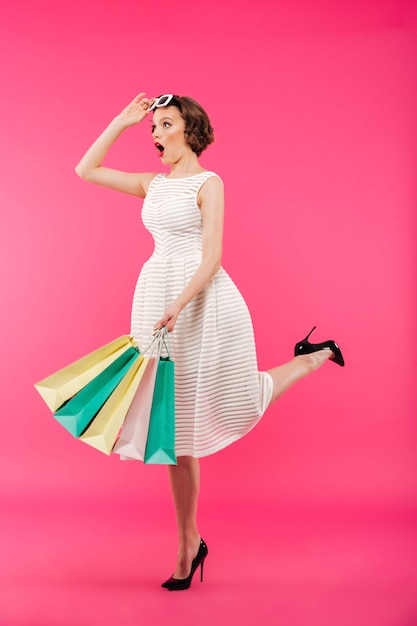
(219, 393)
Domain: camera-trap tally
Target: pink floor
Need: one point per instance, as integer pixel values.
(99, 564)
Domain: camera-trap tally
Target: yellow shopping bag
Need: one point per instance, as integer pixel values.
(63, 384)
(105, 427)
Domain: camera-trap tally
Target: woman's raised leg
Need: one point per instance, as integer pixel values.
(185, 486)
(284, 376)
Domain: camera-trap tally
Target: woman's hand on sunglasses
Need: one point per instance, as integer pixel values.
(136, 111)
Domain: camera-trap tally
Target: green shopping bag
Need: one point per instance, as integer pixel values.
(77, 413)
(160, 444)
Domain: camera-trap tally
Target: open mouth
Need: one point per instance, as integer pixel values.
(160, 148)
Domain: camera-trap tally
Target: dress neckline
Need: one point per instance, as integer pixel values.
(185, 177)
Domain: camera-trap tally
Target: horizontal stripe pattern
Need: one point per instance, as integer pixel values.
(219, 393)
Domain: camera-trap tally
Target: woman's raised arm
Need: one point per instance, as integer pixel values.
(90, 168)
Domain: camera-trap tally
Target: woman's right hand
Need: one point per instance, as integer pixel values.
(136, 111)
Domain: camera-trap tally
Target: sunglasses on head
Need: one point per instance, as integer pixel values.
(162, 101)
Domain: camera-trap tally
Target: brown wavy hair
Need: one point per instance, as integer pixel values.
(198, 130)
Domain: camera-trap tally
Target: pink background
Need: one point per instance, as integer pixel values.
(311, 518)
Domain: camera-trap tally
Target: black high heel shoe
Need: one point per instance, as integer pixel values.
(178, 584)
(305, 347)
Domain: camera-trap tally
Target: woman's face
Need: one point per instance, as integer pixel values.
(168, 134)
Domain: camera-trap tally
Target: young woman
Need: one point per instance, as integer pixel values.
(219, 393)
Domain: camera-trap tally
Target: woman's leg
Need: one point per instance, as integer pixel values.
(185, 486)
(284, 376)
(185, 476)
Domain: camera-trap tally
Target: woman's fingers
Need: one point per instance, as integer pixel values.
(169, 324)
(139, 96)
(137, 110)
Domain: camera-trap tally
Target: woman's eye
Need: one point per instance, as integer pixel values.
(152, 128)
(166, 124)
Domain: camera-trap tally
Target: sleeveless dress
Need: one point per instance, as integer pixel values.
(219, 393)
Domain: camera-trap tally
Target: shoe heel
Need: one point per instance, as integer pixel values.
(306, 339)
(201, 571)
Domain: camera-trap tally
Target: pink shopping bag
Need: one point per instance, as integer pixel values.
(131, 443)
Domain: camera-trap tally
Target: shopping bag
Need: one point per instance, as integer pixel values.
(160, 444)
(131, 443)
(62, 385)
(77, 413)
(105, 427)
(148, 432)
